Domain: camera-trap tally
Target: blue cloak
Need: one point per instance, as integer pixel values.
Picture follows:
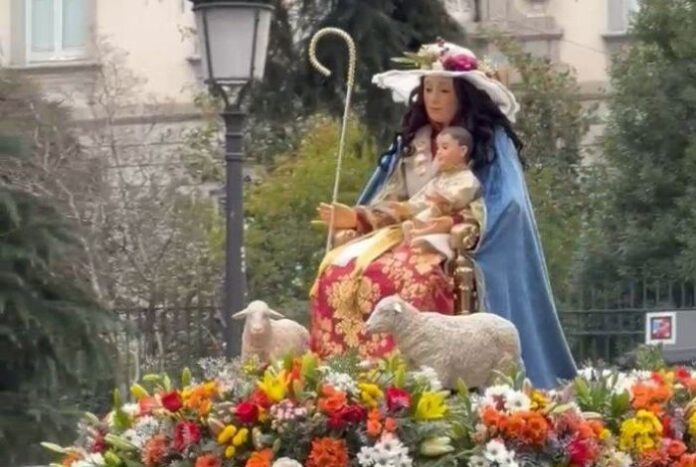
(511, 270)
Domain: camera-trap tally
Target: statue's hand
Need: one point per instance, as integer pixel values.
(345, 217)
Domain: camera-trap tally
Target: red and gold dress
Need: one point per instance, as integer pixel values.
(345, 292)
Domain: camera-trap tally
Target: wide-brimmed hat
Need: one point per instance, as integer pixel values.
(448, 60)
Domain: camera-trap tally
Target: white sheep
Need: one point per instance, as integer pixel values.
(468, 346)
(267, 339)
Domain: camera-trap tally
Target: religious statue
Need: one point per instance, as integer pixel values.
(370, 260)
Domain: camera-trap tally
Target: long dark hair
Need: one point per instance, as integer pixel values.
(476, 112)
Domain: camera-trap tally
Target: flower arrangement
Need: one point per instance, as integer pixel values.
(304, 412)
(439, 56)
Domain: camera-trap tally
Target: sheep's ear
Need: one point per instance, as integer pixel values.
(274, 314)
(241, 314)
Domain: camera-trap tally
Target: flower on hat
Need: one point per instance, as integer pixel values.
(460, 62)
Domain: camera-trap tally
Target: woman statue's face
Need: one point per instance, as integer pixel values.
(440, 99)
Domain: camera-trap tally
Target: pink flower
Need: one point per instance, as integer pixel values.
(397, 399)
(185, 434)
(461, 62)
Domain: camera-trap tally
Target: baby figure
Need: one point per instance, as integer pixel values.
(430, 211)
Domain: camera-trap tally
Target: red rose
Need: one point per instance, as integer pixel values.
(260, 399)
(354, 414)
(247, 412)
(172, 401)
(397, 399)
(580, 452)
(336, 422)
(682, 374)
(347, 414)
(666, 421)
(461, 62)
(185, 434)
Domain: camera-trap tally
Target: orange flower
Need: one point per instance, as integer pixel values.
(597, 427)
(528, 426)
(328, 452)
(374, 425)
(492, 418)
(536, 428)
(513, 425)
(332, 400)
(687, 460)
(676, 448)
(650, 396)
(70, 459)
(260, 459)
(390, 425)
(199, 398)
(154, 451)
(208, 460)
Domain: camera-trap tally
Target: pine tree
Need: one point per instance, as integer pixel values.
(645, 222)
(53, 352)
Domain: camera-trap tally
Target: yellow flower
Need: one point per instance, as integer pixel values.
(370, 394)
(431, 406)
(226, 434)
(230, 451)
(644, 443)
(539, 400)
(650, 420)
(692, 424)
(641, 432)
(275, 386)
(604, 434)
(241, 437)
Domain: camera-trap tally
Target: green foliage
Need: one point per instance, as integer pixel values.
(552, 123)
(283, 249)
(647, 220)
(50, 327)
(649, 357)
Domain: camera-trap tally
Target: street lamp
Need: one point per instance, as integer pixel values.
(233, 36)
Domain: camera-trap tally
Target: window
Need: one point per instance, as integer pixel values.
(56, 29)
(620, 12)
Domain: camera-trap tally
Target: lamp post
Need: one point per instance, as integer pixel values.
(233, 38)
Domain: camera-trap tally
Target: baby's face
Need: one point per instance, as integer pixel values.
(450, 154)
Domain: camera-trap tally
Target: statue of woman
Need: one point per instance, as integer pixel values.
(447, 89)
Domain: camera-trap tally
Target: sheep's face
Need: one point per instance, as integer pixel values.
(258, 318)
(384, 315)
(258, 323)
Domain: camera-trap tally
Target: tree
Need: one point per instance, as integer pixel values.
(292, 89)
(52, 346)
(647, 220)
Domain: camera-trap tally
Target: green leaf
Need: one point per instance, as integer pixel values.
(185, 377)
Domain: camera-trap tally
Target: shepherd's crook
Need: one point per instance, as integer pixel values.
(352, 56)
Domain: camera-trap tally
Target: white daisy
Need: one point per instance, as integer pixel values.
(341, 381)
(428, 375)
(496, 451)
(286, 462)
(516, 401)
(131, 409)
(495, 395)
(621, 459)
(478, 461)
